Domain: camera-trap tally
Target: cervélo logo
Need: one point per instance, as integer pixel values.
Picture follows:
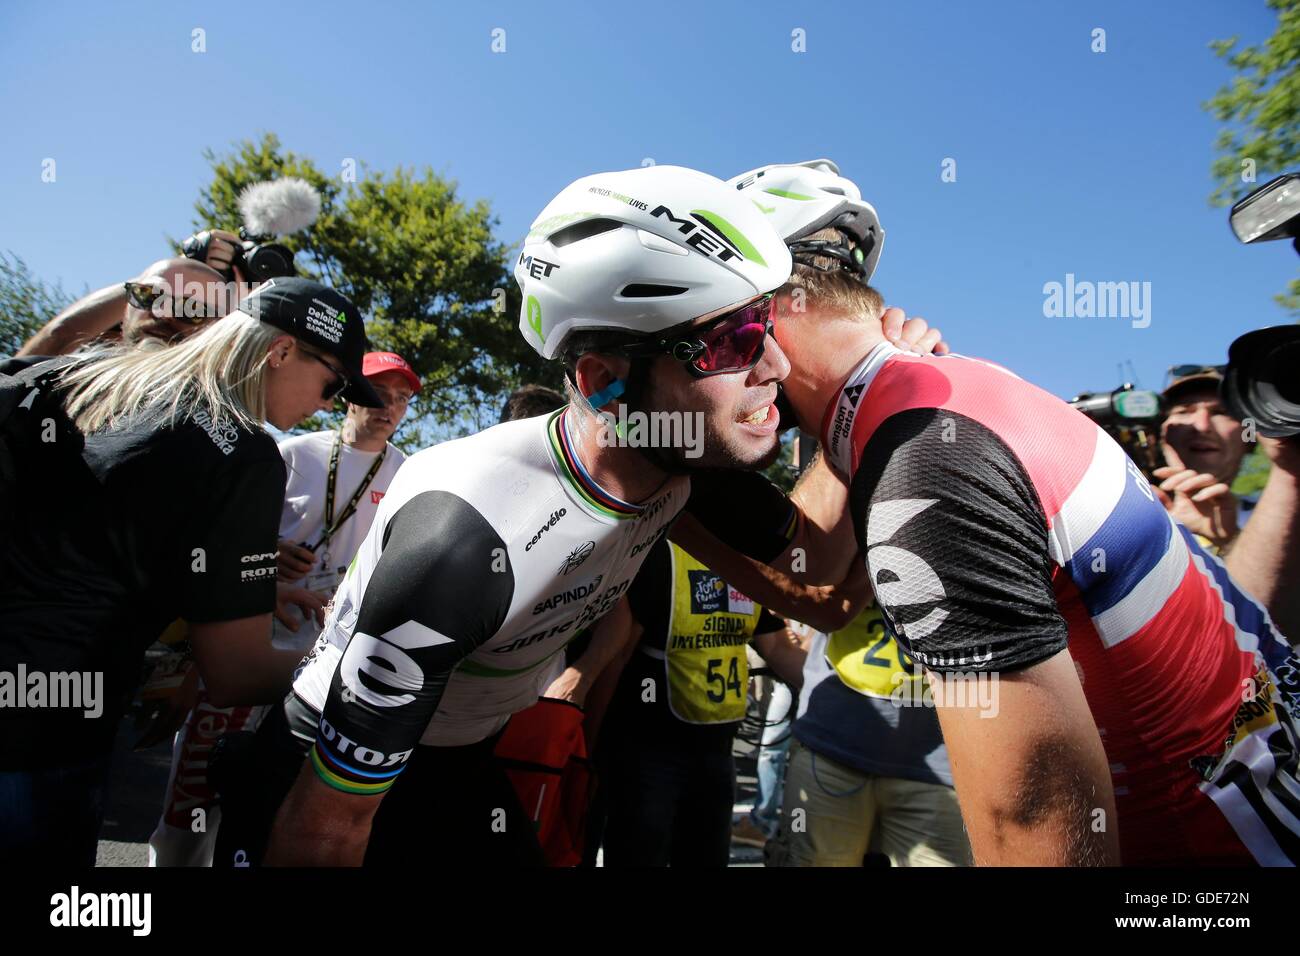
(554, 520)
(712, 235)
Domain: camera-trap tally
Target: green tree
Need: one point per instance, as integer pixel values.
(421, 264)
(1261, 107)
(26, 303)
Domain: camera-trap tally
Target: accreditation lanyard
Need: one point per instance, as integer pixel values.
(332, 526)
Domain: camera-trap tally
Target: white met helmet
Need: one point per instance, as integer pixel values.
(642, 251)
(801, 198)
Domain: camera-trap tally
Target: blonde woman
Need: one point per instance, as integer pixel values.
(168, 508)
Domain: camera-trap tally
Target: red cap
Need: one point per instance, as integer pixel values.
(376, 363)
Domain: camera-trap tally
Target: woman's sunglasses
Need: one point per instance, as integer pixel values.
(145, 295)
(733, 342)
(334, 388)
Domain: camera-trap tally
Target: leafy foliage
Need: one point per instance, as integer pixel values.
(1261, 107)
(421, 264)
(26, 303)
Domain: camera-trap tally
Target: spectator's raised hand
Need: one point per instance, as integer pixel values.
(1200, 502)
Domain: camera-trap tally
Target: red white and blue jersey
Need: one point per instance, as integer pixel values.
(1001, 526)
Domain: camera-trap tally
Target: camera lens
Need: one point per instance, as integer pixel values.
(1262, 383)
(269, 261)
(1285, 359)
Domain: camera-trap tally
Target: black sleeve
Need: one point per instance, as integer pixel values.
(231, 540)
(442, 587)
(650, 596)
(744, 510)
(956, 543)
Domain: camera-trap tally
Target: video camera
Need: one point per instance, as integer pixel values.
(268, 209)
(1262, 380)
(1132, 417)
(259, 259)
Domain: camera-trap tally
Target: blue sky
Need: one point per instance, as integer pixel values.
(1067, 161)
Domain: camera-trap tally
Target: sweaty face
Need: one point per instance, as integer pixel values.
(1203, 436)
(725, 421)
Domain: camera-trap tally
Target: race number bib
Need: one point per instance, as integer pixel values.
(867, 659)
(707, 682)
(711, 625)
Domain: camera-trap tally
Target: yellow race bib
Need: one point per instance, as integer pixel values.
(867, 659)
(711, 624)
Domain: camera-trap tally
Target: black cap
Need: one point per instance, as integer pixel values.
(322, 318)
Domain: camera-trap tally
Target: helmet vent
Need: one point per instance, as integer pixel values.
(583, 230)
(647, 290)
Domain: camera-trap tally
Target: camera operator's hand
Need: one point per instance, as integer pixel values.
(223, 248)
(1284, 453)
(1199, 502)
(293, 560)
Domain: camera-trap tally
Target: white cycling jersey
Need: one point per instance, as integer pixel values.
(487, 556)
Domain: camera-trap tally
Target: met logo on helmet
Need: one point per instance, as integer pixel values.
(535, 267)
(712, 235)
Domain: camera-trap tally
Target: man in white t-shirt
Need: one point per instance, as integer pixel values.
(336, 481)
(362, 462)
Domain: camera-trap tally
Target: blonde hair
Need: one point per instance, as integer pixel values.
(220, 370)
(825, 284)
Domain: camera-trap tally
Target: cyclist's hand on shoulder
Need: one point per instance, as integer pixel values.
(912, 335)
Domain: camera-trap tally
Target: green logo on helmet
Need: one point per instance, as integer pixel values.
(534, 313)
(712, 235)
(786, 194)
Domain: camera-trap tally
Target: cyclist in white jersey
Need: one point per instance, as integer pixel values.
(490, 553)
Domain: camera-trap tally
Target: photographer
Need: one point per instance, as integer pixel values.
(1202, 447)
(159, 498)
(1202, 442)
(157, 304)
